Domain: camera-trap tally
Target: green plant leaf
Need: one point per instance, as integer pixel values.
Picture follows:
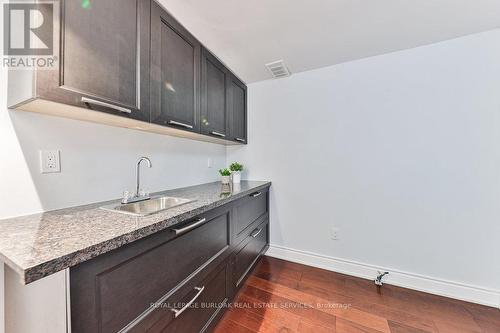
(236, 167)
(225, 172)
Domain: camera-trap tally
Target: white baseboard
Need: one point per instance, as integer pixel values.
(422, 283)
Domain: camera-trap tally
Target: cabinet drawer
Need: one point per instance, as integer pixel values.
(248, 210)
(201, 302)
(249, 253)
(112, 291)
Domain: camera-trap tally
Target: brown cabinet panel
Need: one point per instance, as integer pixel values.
(103, 56)
(238, 110)
(208, 297)
(112, 290)
(214, 96)
(175, 73)
(110, 57)
(130, 58)
(249, 253)
(247, 210)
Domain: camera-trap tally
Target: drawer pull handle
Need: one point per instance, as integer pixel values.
(256, 232)
(240, 140)
(177, 313)
(173, 122)
(189, 227)
(218, 134)
(256, 194)
(108, 105)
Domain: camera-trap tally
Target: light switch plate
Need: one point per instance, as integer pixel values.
(50, 161)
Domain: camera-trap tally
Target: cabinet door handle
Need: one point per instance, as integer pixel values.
(240, 140)
(256, 194)
(108, 105)
(218, 134)
(173, 122)
(256, 232)
(177, 313)
(189, 227)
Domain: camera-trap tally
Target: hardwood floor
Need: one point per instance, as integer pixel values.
(282, 296)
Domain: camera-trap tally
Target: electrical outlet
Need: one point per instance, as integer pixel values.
(209, 163)
(50, 161)
(334, 233)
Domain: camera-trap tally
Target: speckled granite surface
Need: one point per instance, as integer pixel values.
(38, 245)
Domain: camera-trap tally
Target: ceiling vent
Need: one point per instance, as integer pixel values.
(278, 69)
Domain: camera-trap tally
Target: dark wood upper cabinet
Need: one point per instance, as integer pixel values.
(214, 96)
(175, 73)
(134, 64)
(238, 110)
(103, 56)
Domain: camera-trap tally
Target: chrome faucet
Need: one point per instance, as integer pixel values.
(138, 196)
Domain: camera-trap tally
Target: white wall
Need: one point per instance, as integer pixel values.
(98, 162)
(400, 151)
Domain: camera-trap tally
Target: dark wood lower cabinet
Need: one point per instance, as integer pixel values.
(168, 282)
(195, 310)
(247, 211)
(249, 252)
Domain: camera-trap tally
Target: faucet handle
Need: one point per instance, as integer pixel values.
(143, 193)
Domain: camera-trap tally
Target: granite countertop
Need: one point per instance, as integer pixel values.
(38, 245)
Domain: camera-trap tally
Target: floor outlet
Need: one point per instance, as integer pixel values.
(50, 161)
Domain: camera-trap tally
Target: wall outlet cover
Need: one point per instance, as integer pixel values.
(50, 161)
(334, 233)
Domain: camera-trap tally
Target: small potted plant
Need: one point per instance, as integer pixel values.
(225, 176)
(236, 169)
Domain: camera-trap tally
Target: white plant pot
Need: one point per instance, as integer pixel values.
(226, 189)
(236, 177)
(225, 179)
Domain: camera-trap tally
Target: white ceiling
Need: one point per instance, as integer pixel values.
(308, 34)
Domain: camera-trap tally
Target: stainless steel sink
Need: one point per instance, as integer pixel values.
(148, 207)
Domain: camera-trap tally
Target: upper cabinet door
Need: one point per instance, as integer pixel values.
(104, 57)
(175, 73)
(214, 96)
(238, 110)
